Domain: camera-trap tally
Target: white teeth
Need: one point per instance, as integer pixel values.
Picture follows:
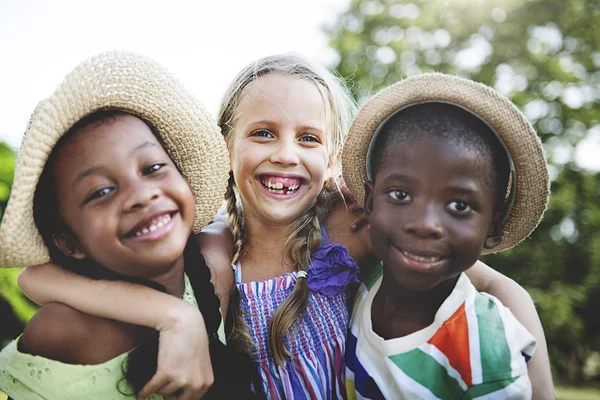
(278, 188)
(421, 259)
(156, 224)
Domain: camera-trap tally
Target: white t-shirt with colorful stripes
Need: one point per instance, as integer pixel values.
(474, 349)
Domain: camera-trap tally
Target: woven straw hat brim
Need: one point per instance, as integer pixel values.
(511, 126)
(136, 85)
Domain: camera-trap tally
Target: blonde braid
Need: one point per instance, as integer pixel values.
(234, 221)
(240, 336)
(303, 242)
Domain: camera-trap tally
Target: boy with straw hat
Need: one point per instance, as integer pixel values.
(450, 169)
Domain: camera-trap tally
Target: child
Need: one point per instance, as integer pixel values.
(452, 170)
(96, 191)
(284, 121)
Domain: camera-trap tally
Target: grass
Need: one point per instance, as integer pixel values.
(577, 393)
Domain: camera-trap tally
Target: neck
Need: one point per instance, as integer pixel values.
(172, 279)
(265, 246)
(398, 311)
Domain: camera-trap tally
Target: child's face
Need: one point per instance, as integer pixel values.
(279, 149)
(127, 206)
(431, 209)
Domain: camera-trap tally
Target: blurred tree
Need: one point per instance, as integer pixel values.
(544, 55)
(15, 308)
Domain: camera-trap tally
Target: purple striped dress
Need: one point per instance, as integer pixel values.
(316, 342)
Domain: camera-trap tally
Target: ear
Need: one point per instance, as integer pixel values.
(69, 245)
(494, 236)
(369, 190)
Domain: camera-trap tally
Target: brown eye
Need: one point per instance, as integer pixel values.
(152, 168)
(99, 193)
(460, 207)
(400, 195)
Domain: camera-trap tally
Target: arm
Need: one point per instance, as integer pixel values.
(513, 296)
(217, 248)
(183, 355)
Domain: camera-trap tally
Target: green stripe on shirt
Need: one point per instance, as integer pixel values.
(425, 370)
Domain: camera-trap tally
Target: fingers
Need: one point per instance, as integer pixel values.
(175, 389)
(193, 394)
(153, 386)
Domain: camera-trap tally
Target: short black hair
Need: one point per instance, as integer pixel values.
(445, 122)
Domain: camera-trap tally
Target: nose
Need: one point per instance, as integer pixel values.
(425, 222)
(139, 195)
(285, 150)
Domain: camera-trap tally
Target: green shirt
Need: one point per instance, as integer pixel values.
(25, 376)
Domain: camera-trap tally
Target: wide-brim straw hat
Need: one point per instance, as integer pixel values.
(136, 85)
(529, 191)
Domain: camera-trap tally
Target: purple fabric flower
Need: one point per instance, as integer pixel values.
(331, 270)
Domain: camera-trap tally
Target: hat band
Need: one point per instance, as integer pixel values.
(512, 179)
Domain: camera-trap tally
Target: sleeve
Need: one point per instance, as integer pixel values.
(221, 215)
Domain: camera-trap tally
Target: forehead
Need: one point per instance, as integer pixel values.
(109, 141)
(283, 98)
(436, 160)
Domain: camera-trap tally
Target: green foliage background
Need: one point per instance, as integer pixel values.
(15, 308)
(545, 56)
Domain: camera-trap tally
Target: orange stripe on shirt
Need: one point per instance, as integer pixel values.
(453, 340)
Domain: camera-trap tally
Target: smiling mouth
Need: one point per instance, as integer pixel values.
(280, 185)
(152, 226)
(421, 259)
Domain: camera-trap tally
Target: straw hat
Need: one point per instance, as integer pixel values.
(136, 85)
(529, 190)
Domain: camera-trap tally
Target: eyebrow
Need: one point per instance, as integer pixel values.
(267, 122)
(141, 147)
(88, 172)
(97, 169)
(399, 177)
(471, 190)
(463, 190)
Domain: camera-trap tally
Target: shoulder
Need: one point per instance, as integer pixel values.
(61, 333)
(217, 249)
(506, 345)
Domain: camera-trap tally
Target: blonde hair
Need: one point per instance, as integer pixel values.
(306, 236)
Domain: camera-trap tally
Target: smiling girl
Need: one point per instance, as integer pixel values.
(96, 191)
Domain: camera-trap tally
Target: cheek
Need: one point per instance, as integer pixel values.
(381, 221)
(318, 165)
(469, 234)
(244, 159)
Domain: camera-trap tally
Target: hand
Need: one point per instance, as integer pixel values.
(184, 370)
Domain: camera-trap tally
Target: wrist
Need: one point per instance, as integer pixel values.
(178, 316)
